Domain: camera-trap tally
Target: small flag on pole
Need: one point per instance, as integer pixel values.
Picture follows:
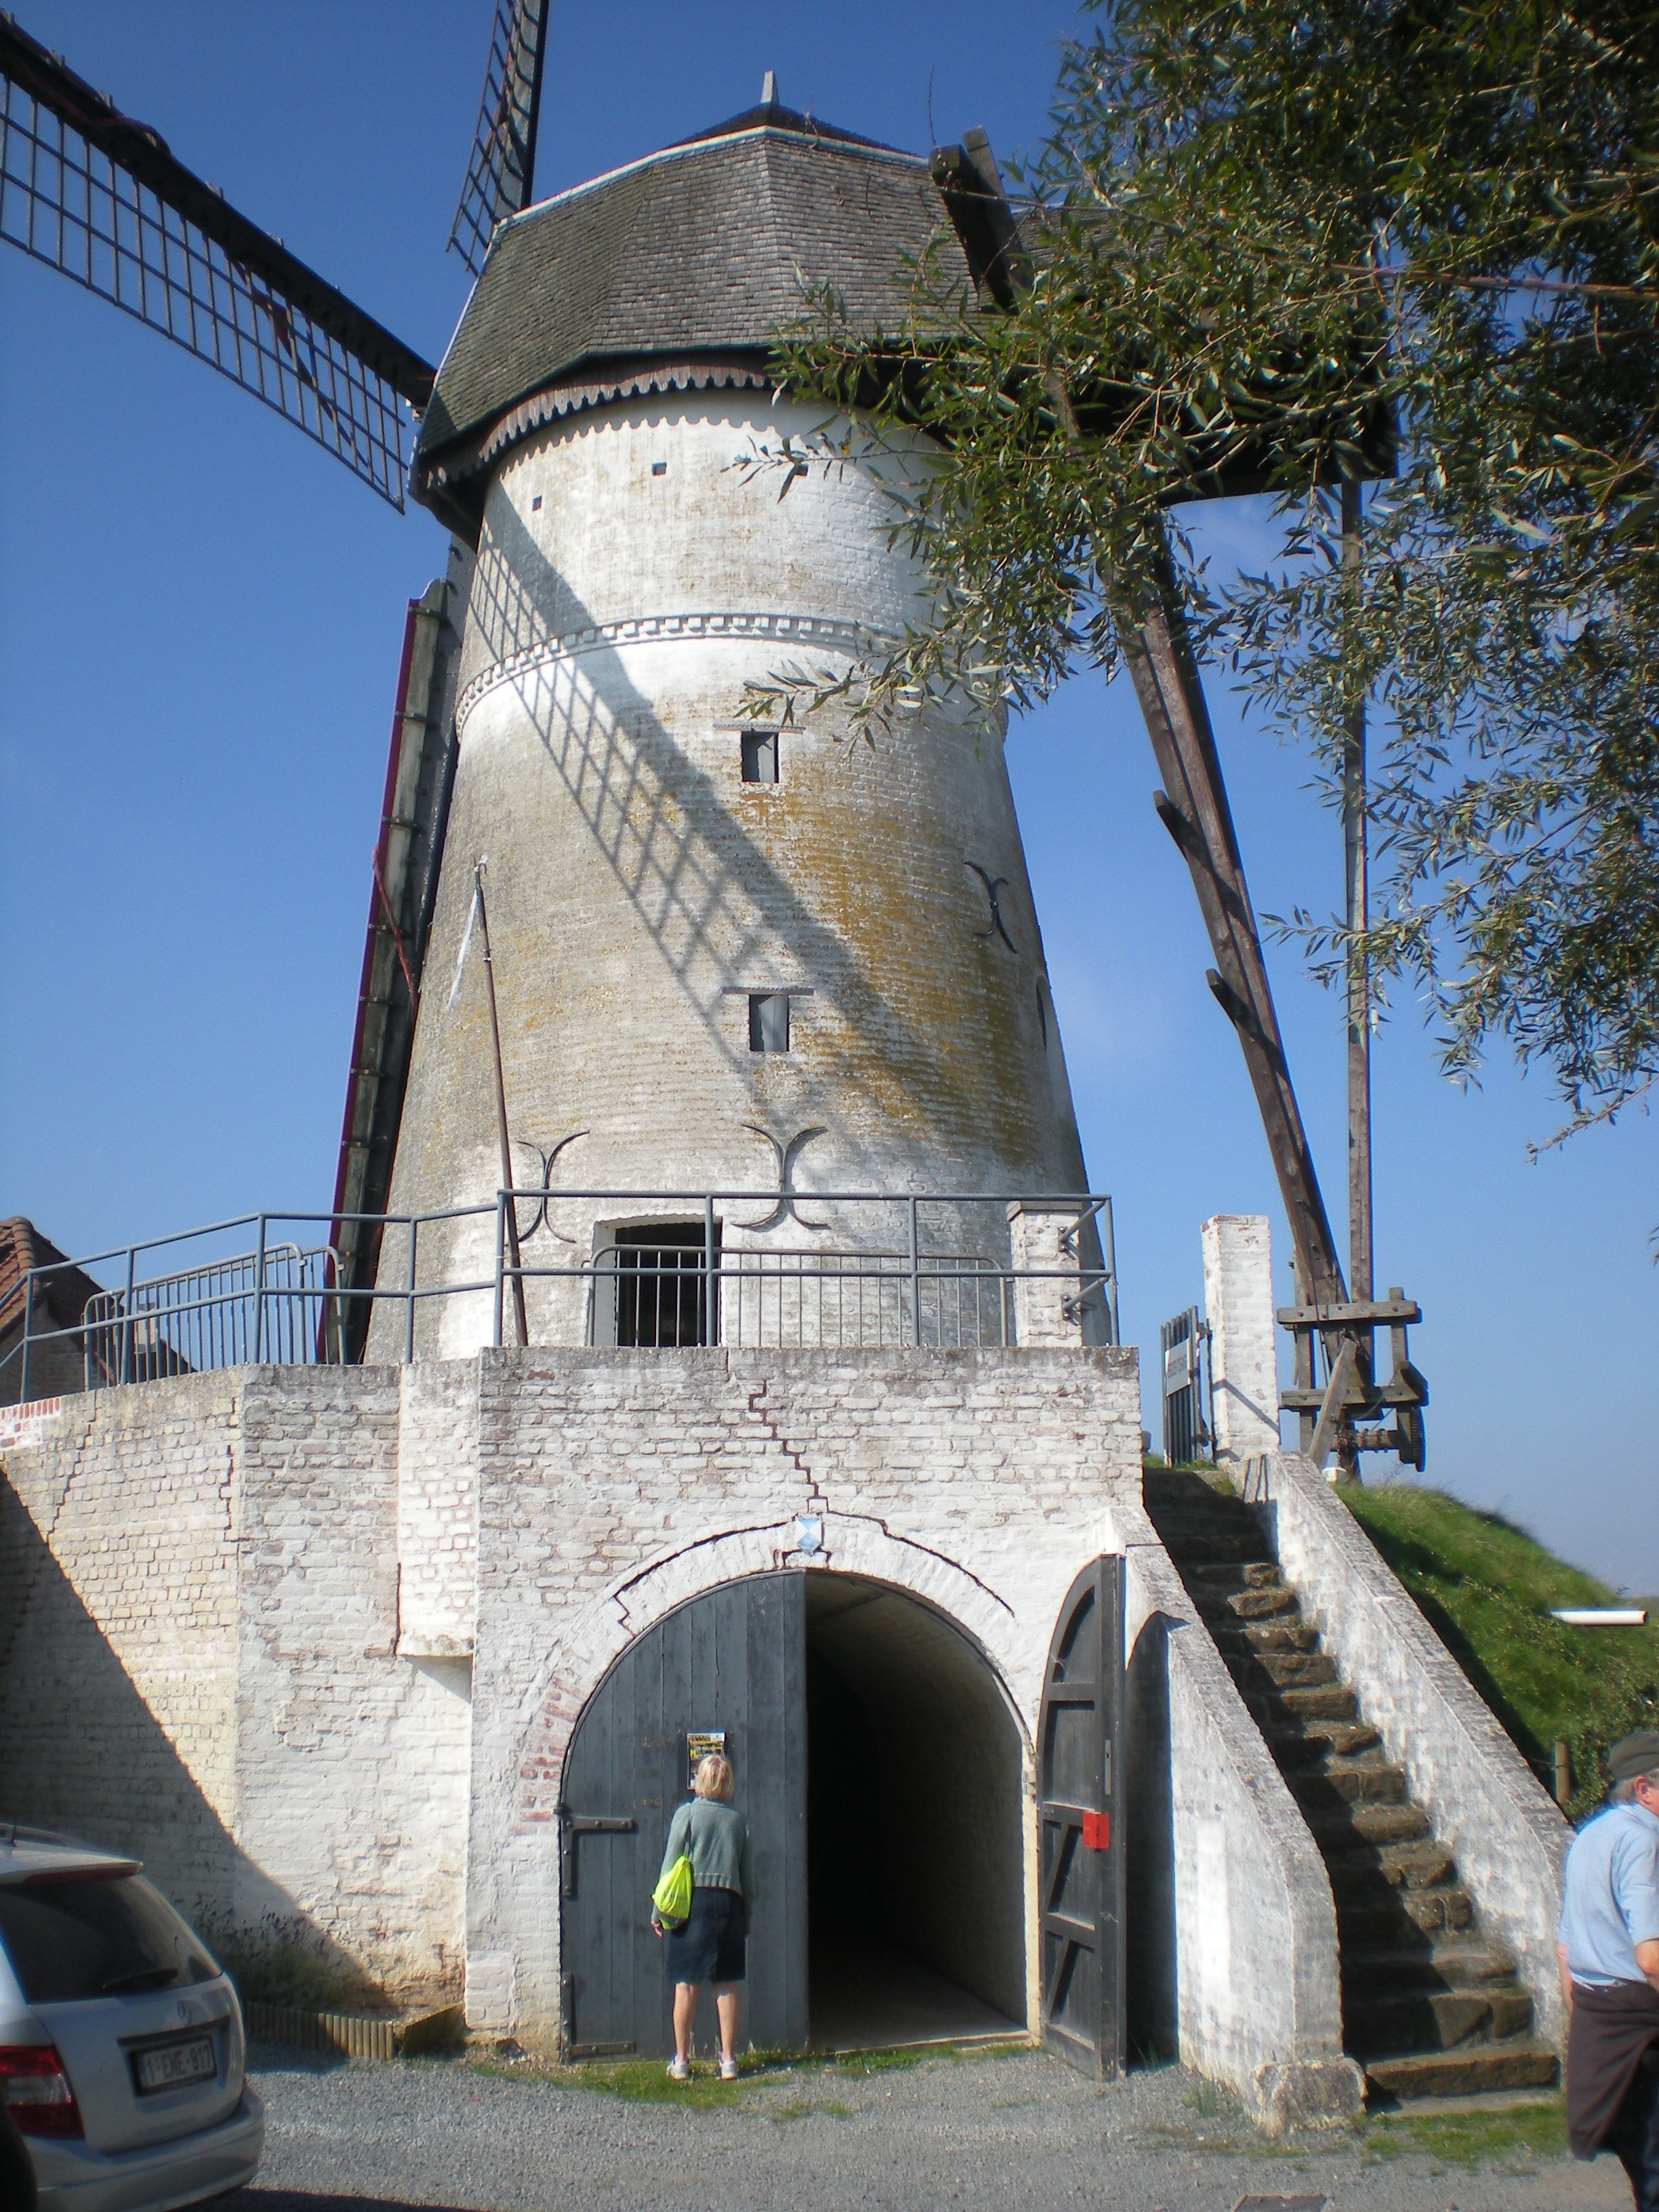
(466, 940)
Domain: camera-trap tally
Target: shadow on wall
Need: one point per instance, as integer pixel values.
(1153, 2023)
(82, 1751)
(709, 909)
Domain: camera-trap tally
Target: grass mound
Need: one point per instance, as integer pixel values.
(1486, 1587)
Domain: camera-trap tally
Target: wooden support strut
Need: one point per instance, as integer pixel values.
(1193, 807)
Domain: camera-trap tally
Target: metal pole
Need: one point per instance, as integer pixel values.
(710, 1287)
(1111, 1257)
(409, 1322)
(915, 1279)
(501, 1116)
(260, 1297)
(126, 1320)
(1355, 858)
(28, 1312)
(501, 1236)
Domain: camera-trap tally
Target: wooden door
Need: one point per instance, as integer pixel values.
(1081, 1829)
(731, 1661)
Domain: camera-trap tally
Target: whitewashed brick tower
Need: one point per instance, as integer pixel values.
(591, 431)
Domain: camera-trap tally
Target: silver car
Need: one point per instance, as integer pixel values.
(121, 2050)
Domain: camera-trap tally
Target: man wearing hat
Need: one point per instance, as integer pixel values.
(1609, 1953)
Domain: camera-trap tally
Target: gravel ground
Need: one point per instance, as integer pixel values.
(1012, 2128)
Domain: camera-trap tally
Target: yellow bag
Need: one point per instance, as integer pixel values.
(672, 1894)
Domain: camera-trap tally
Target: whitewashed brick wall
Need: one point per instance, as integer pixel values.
(1238, 1302)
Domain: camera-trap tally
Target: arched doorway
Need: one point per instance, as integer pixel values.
(879, 1767)
(915, 1843)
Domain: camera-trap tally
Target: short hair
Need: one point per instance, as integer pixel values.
(1624, 1793)
(714, 1778)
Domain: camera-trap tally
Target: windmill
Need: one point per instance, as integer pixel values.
(102, 200)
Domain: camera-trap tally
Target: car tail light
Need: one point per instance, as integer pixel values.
(37, 2091)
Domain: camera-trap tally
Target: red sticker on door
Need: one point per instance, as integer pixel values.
(1097, 1832)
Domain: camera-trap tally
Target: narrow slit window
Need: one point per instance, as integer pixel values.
(769, 1021)
(760, 756)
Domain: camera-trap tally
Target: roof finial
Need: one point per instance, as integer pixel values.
(769, 89)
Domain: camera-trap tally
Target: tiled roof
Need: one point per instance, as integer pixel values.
(702, 249)
(64, 1293)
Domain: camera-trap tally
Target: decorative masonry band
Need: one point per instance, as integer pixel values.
(823, 633)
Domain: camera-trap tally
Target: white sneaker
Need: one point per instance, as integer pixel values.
(729, 2069)
(679, 2070)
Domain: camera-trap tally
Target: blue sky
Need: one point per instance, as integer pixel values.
(200, 616)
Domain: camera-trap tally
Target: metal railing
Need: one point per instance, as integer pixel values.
(639, 1273)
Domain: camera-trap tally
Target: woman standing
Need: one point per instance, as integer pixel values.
(711, 1946)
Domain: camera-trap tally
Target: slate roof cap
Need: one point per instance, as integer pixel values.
(702, 248)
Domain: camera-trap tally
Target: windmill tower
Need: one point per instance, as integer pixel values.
(727, 956)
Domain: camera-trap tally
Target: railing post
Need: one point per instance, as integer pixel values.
(915, 1279)
(501, 1241)
(710, 1287)
(29, 1314)
(1110, 1258)
(126, 1317)
(409, 1319)
(260, 1297)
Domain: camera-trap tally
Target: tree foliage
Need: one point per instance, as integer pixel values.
(1259, 233)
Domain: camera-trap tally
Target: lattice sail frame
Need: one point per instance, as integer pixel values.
(501, 175)
(101, 198)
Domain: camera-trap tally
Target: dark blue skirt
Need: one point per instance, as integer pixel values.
(712, 1947)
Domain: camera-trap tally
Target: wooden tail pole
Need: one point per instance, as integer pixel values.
(500, 1115)
(1193, 807)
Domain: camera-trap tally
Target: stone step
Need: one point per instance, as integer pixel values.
(1297, 1744)
(1222, 1575)
(1285, 1633)
(1478, 2069)
(1448, 1963)
(1405, 1915)
(1304, 1669)
(1433, 2020)
(1245, 1604)
(1326, 1702)
(1368, 1780)
(1388, 1866)
(1337, 1828)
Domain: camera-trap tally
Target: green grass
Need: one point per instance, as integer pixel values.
(1471, 2139)
(1486, 1587)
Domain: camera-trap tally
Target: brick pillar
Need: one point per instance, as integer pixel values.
(1040, 1314)
(1238, 1298)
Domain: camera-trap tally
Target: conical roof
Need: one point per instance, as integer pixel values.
(689, 260)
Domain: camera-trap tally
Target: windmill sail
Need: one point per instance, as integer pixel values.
(99, 197)
(502, 173)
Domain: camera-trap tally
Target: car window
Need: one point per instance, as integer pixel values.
(79, 1936)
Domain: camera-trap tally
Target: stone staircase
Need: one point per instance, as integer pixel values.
(1431, 2006)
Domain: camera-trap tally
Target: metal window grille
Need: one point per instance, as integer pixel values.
(662, 1285)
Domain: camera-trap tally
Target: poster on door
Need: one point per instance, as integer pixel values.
(699, 1743)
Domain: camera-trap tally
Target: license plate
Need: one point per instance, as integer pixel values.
(169, 2065)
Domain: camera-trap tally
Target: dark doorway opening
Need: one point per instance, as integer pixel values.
(662, 1284)
(916, 1839)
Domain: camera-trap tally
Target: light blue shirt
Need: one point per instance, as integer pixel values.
(1612, 1900)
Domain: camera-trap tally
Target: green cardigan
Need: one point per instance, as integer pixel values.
(716, 1841)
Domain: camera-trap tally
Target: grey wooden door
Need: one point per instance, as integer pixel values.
(1080, 1833)
(734, 1660)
